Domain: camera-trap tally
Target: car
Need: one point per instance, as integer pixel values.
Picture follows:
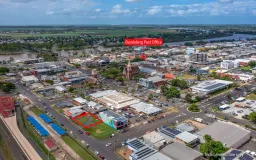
(96, 152)
(108, 144)
(81, 132)
(62, 124)
(101, 157)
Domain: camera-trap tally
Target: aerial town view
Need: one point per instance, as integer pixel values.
(127, 80)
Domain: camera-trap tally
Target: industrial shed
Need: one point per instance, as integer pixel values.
(231, 135)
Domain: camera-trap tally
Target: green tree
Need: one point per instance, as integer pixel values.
(170, 92)
(4, 70)
(193, 108)
(71, 89)
(188, 98)
(179, 83)
(212, 149)
(198, 77)
(7, 86)
(150, 96)
(49, 81)
(252, 117)
(111, 73)
(229, 96)
(252, 64)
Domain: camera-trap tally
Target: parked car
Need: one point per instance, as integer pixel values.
(101, 157)
(96, 152)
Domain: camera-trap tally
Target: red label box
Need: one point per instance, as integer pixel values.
(143, 41)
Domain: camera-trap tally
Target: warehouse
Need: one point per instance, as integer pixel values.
(207, 87)
(234, 138)
(178, 151)
(79, 101)
(169, 133)
(154, 139)
(187, 138)
(28, 80)
(145, 108)
(113, 120)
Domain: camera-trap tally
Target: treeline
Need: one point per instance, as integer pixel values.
(12, 47)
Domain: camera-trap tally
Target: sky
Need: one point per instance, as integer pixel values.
(117, 12)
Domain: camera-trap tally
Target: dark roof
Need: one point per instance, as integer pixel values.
(135, 143)
(246, 156)
(169, 131)
(217, 85)
(232, 155)
(143, 153)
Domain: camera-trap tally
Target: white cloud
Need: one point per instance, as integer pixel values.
(226, 1)
(154, 10)
(254, 12)
(117, 9)
(97, 10)
(132, 0)
(49, 12)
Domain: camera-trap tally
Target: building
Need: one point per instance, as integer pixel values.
(79, 101)
(234, 154)
(187, 138)
(32, 61)
(157, 156)
(184, 127)
(154, 139)
(199, 58)
(152, 82)
(254, 70)
(50, 145)
(178, 151)
(207, 87)
(234, 138)
(64, 104)
(60, 89)
(224, 107)
(74, 111)
(227, 64)
(169, 133)
(148, 109)
(135, 144)
(113, 120)
(143, 153)
(241, 62)
(130, 70)
(28, 80)
(169, 76)
(7, 106)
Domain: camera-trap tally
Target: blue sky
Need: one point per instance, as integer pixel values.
(47, 12)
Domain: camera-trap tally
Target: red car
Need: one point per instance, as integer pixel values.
(87, 133)
(101, 157)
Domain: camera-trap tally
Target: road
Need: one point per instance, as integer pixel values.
(14, 148)
(99, 145)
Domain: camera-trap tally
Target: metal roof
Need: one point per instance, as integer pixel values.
(114, 115)
(135, 143)
(169, 131)
(187, 137)
(143, 153)
(179, 151)
(185, 127)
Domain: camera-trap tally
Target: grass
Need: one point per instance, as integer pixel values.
(101, 131)
(186, 76)
(83, 120)
(77, 148)
(251, 97)
(246, 68)
(36, 111)
(5, 149)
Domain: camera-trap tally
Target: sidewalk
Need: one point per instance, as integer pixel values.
(54, 135)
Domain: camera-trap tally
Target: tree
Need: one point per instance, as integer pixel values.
(150, 96)
(193, 108)
(71, 89)
(229, 96)
(252, 64)
(11, 59)
(49, 81)
(7, 86)
(212, 149)
(198, 77)
(179, 83)
(192, 69)
(188, 98)
(188, 44)
(254, 91)
(170, 92)
(4, 70)
(252, 117)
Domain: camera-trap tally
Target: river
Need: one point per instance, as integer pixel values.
(234, 36)
(17, 56)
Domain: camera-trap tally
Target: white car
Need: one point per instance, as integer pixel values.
(96, 152)
(108, 144)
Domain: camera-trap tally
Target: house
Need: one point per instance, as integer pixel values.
(185, 127)
(152, 82)
(50, 145)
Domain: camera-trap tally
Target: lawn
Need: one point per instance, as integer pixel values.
(83, 120)
(186, 76)
(77, 148)
(246, 68)
(36, 110)
(101, 131)
(252, 96)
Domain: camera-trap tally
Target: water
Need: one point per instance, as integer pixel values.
(234, 36)
(17, 56)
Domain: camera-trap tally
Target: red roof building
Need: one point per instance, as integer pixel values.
(7, 106)
(169, 76)
(50, 145)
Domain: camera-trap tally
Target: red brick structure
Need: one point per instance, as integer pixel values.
(7, 106)
(130, 71)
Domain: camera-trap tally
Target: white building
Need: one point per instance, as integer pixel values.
(28, 80)
(227, 64)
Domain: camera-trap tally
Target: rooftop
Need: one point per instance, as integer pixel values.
(29, 78)
(103, 93)
(153, 137)
(80, 100)
(158, 156)
(186, 137)
(135, 143)
(145, 108)
(185, 127)
(113, 115)
(178, 151)
(208, 86)
(143, 153)
(218, 131)
(50, 143)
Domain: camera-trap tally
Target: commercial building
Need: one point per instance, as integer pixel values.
(152, 82)
(184, 127)
(187, 138)
(207, 87)
(234, 154)
(135, 144)
(227, 64)
(32, 61)
(7, 106)
(60, 89)
(28, 80)
(178, 151)
(143, 153)
(79, 101)
(148, 109)
(113, 120)
(169, 133)
(231, 135)
(154, 139)
(157, 156)
(74, 111)
(199, 58)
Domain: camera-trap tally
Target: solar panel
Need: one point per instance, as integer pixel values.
(245, 157)
(144, 152)
(136, 144)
